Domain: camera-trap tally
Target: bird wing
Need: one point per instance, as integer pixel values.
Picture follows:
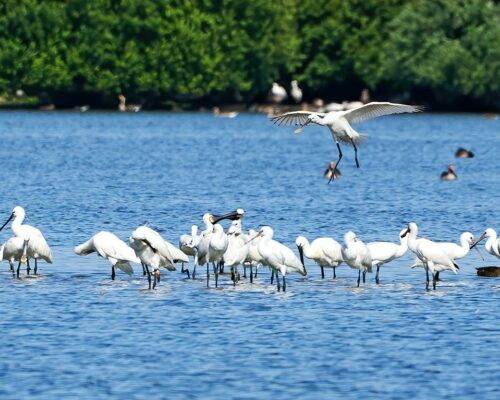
(108, 245)
(38, 247)
(377, 109)
(177, 254)
(296, 118)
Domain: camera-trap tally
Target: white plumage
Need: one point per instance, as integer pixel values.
(326, 252)
(277, 93)
(339, 122)
(296, 92)
(356, 254)
(385, 252)
(237, 249)
(492, 244)
(277, 256)
(12, 250)
(109, 246)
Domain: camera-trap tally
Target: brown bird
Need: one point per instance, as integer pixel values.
(463, 153)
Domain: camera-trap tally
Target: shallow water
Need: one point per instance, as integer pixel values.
(74, 333)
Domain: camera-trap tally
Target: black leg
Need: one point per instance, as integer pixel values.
(355, 152)
(36, 267)
(377, 280)
(256, 269)
(28, 269)
(155, 280)
(18, 269)
(216, 273)
(194, 272)
(146, 270)
(334, 273)
(284, 283)
(112, 272)
(427, 279)
(143, 269)
(437, 276)
(278, 281)
(221, 267)
(434, 281)
(208, 276)
(364, 276)
(337, 163)
(11, 267)
(244, 272)
(359, 276)
(272, 276)
(251, 273)
(322, 272)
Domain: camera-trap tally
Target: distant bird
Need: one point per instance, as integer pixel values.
(357, 255)
(332, 172)
(277, 93)
(84, 108)
(37, 246)
(123, 106)
(492, 245)
(450, 174)
(324, 251)
(227, 114)
(385, 252)
(463, 153)
(279, 257)
(152, 250)
(108, 246)
(352, 105)
(365, 96)
(296, 92)
(15, 249)
(430, 253)
(339, 123)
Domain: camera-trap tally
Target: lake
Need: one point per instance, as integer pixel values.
(73, 333)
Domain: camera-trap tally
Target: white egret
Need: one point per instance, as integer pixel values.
(279, 257)
(277, 93)
(385, 252)
(326, 252)
(37, 246)
(339, 122)
(14, 249)
(153, 251)
(430, 253)
(492, 245)
(357, 255)
(296, 92)
(107, 245)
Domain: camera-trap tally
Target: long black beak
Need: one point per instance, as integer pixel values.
(301, 254)
(405, 232)
(6, 222)
(478, 240)
(233, 215)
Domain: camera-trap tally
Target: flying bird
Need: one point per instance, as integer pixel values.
(339, 122)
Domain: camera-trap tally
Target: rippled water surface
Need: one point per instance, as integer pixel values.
(73, 333)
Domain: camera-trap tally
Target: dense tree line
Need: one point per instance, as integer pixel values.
(193, 52)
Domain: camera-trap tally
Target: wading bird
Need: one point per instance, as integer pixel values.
(492, 245)
(385, 252)
(237, 250)
(324, 251)
(36, 245)
(356, 254)
(152, 250)
(430, 253)
(15, 249)
(187, 244)
(107, 245)
(279, 257)
(339, 122)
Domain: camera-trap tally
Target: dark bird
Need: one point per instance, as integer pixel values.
(463, 153)
(450, 174)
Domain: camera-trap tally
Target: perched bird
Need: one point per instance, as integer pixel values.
(152, 251)
(385, 252)
(430, 253)
(15, 249)
(277, 93)
(296, 92)
(36, 245)
(278, 257)
(357, 255)
(492, 245)
(324, 251)
(450, 174)
(332, 172)
(463, 153)
(107, 245)
(339, 122)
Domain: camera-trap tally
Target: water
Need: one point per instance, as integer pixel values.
(72, 333)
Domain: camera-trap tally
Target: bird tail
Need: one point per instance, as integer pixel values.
(125, 267)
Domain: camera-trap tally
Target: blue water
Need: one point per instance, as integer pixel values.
(73, 333)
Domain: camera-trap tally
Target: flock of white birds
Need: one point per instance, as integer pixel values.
(217, 249)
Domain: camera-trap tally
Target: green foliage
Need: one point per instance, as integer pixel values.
(232, 50)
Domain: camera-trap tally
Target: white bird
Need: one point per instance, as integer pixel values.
(278, 93)
(237, 250)
(296, 91)
(339, 122)
(254, 259)
(326, 252)
(14, 249)
(37, 246)
(357, 255)
(279, 257)
(187, 244)
(385, 252)
(492, 245)
(452, 250)
(430, 253)
(153, 251)
(107, 245)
